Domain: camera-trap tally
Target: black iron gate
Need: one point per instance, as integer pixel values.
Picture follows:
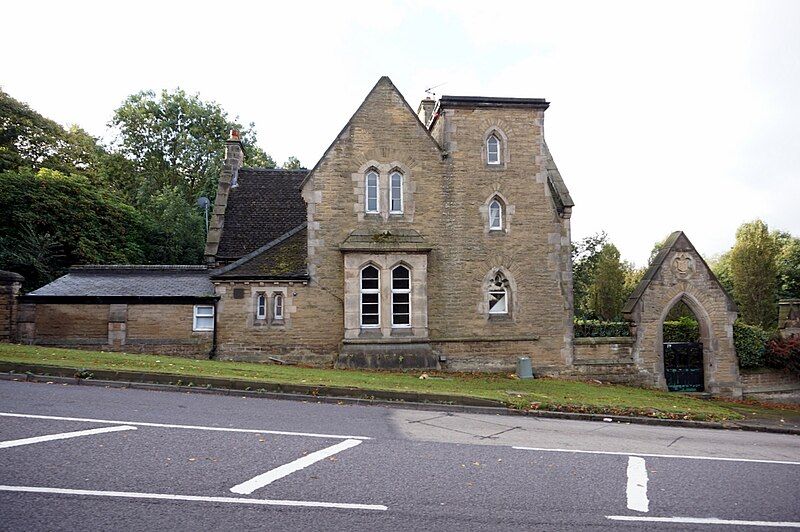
(683, 366)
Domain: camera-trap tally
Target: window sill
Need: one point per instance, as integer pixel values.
(500, 318)
(402, 331)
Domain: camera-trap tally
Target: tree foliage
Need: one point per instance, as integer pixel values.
(754, 273)
(176, 141)
(53, 220)
(28, 139)
(788, 265)
(292, 163)
(607, 291)
(585, 254)
(68, 199)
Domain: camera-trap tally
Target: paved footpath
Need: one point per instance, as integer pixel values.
(90, 458)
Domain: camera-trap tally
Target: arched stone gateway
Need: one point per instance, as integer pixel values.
(679, 274)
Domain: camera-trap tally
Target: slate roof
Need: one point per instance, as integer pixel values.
(130, 281)
(283, 258)
(558, 188)
(265, 204)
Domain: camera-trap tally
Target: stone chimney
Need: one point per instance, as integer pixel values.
(425, 110)
(234, 159)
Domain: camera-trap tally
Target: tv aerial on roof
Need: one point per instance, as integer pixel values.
(429, 91)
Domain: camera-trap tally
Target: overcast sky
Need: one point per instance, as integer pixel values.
(664, 115)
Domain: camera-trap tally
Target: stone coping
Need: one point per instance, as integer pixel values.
(599, 340)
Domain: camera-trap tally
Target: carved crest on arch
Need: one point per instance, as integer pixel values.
(683, 265)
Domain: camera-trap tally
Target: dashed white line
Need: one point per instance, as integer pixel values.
(637, 485)
(248, 487)
(688, 457)
(189, 427)
(62, 436)
(193, 498)
(703, 521)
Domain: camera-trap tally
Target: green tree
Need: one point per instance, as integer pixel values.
(53, 220)
(176, 230)
(788, 265)
(176, 141)
(754, 273)
(292, 163)
(721, 266)
(585, 254)
(28, 139)
(607, 292)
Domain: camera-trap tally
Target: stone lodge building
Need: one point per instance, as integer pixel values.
(439, 238)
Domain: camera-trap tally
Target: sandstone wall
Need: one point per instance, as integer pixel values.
(446, 197)
(141, 328)
(10, 284)
(310, 332)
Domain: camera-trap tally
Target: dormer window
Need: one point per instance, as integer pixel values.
(495, 215)
(493, 149)
(396, 193)
(371, 192)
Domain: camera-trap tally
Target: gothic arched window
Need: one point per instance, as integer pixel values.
(499, 295)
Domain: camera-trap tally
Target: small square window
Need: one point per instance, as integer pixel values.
(203, 318)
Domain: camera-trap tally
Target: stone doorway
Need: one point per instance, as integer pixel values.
(682, 332)
(679, 277)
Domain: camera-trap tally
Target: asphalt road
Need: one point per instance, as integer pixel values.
(120, 459)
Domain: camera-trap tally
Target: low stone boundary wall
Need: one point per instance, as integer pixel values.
(768, 380)
(607, 359)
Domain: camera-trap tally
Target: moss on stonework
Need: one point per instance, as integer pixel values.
(385, 237)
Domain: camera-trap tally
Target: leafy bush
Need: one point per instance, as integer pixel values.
(784, 353)
(684, 329)
(750, 342)
(601, 329)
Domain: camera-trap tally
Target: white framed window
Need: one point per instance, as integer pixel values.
(401, 297)
(261, 306)
(396, 193)
(277, 306)
(371, 200)
(495, 215)
(498, 295)
(203, 318)
(493, 149)
(370, 297)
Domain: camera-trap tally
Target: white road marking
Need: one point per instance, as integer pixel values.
(248, 487)
(190, 427)
(688, 457)
(62, 436)
(703, 521)
(637, 485)
(194, 498)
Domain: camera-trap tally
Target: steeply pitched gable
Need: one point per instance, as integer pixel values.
(677, 241)
(383, 82)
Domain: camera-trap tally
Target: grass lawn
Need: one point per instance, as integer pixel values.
(544, 394)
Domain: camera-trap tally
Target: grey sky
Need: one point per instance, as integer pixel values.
(665, 115)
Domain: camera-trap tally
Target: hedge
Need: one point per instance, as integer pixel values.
(684, 329)
(750, 343)
(601, 329)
